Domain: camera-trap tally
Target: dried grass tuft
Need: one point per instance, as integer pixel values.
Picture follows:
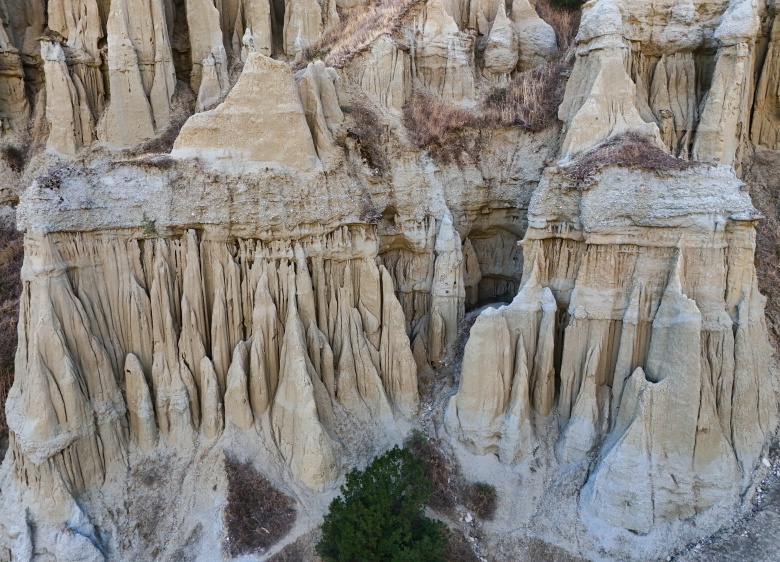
(630, 149)
(357, 31)
(564, 20)
(530, 100)
(440, 127)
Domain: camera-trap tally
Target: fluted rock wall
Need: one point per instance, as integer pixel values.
(613, 312)
(273, 287)
(267, 320)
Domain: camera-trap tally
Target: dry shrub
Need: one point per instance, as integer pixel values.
(294, 552)
(441, 472)
(530, 101)
(762, 171)
(629, 149)
(358, 30)
(481, 498)
(257, 515)
(14, 156)
(53, 177)
(183, 107)
(459, 550)
(450, 489)
(368, 131)
(441, 127)
(11, 256)
(565, 22)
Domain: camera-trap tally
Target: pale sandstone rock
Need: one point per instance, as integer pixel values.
(213, 418)
(79, 21)
(765, 128)
(501, 50)
(149, 35)
(536, 39)
(387, 74)
(203, 22)
(397, 364)
(128, 120)
(317, 91)
(685, 462)
(593, 306)
(214, 81)
(448, 291)
(174, 389)
(71, 127)
(266, 346)
(485, 384)
(14, 108)
(303, 442)
(258, 15)
(719, 135)
(143, 426)
(481, 14)
(444, 55)
(302, 25)
(215, 134)
(472, 274)
(517, 434)
(673, 100)
(524, 330)
(237, 408)
(599, 100)
(682, 32)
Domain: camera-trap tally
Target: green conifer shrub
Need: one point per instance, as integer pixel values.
(379, 516)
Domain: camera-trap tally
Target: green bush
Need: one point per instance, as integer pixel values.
(380, 515)
(568, 5)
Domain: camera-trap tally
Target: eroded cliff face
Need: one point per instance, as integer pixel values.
(283, 286)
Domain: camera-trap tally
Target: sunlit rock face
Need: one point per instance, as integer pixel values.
(236, 245)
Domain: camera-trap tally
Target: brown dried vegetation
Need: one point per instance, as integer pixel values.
(257, 515)
(762, 171)
(450, 489)
(459, 550)
(14, 156)
(625, 150)
(11, 256)
(565, 22)
(529, 101)
(357, 31)
(367, 130)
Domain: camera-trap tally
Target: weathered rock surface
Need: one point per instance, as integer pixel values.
(245, 127)
(295, 285)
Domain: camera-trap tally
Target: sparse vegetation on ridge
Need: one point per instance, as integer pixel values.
(529, 100)
(367, 130)
(629, 149)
